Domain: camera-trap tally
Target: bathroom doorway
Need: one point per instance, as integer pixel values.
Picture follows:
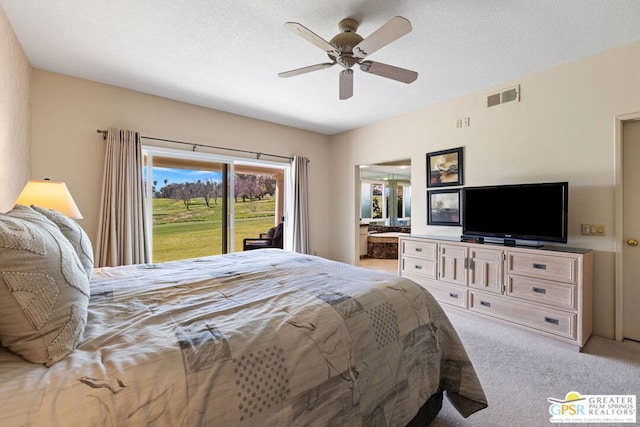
(385, 212)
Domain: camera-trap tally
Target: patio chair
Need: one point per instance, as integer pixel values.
(271, 239)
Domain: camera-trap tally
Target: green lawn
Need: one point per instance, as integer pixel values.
(179, 233)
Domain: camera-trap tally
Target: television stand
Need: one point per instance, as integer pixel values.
(546, 290)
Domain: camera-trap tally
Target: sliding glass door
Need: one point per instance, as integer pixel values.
(187, 210)
(258, 202)
(202, 204)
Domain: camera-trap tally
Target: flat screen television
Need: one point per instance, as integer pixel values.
(532, 212)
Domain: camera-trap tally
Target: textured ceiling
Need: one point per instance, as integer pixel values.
(226, 54)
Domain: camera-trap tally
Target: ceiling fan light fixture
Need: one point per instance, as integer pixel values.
(347, 61)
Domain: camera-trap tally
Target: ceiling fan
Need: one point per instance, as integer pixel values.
(349, 48)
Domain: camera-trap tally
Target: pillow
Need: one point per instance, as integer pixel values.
(44, 291)
(74, 233)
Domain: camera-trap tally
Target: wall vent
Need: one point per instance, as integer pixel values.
(506, 95)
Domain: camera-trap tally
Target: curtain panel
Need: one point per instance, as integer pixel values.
(300, 226)
(122, 233)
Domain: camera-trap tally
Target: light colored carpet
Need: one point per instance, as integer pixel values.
(520, 370)
(388, 265)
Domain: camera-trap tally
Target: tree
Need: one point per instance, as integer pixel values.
(169, 191)
(268, 184)
(249, 186)
(185, 192)
(217, 192)
(209, 190)
(245, 186)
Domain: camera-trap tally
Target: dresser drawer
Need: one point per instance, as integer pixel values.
(543, 291)
(446, 293)
(545, 319)
(418, 266)
(424, 250)
(542, 266)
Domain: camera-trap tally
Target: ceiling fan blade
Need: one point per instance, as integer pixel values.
(395, 28)
(312, 37)
(304, 70)
(346, 83)
(389, 71)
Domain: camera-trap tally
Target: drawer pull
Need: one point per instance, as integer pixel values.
(452, 295)
(539, 290)
(552, 320)
(418, 267)
(539, 266)
(418, 249)
(485, 303)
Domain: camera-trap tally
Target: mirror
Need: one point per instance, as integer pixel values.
(385, 193)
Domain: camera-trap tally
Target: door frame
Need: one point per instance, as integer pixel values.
(619, 232)
(232, 162)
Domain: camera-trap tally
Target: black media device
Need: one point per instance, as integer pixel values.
(533, 212)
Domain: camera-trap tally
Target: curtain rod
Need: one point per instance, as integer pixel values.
(194, 145)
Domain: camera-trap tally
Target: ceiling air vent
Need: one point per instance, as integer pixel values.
(504, 96)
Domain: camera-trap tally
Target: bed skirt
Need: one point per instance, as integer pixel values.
(427, 412)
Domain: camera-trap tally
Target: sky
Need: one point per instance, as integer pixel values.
(179, 176)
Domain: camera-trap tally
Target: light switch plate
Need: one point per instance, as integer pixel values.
(592, 229)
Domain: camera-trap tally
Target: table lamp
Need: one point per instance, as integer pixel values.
(50, 195)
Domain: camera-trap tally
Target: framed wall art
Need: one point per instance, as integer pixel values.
(444, 168)
(443, 207)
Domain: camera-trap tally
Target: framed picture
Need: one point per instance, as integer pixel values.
(443, 207)
(444, 168)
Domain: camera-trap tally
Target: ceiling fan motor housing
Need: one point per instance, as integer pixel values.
(345, 41)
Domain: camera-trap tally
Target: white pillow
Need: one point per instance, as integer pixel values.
(44, 291)
(74, 233)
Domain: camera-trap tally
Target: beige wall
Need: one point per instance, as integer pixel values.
(563, 129)
(15, 73)
(66, 112)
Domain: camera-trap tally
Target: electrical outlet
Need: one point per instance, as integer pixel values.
(592, 229)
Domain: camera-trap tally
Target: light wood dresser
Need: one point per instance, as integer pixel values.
(547, 290)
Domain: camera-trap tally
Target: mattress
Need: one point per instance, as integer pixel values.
(264, 337)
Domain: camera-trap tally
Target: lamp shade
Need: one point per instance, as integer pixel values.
(51, 195)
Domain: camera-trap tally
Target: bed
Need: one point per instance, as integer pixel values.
(257, 338)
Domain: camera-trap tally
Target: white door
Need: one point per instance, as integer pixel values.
(631, 231)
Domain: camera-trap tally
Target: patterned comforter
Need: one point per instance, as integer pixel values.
(258, 338)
